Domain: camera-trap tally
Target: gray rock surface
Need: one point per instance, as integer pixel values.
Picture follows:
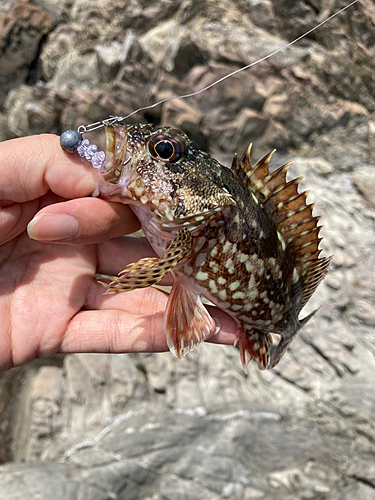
(147, 426)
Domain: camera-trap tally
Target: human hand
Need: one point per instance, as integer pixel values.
(50, 301)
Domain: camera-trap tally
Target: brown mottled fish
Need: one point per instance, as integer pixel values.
(241, 237)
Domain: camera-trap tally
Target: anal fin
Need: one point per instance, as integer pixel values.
(186, 323)
(254, 344)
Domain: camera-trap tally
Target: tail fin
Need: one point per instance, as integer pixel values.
(278, 351)
(303, 321)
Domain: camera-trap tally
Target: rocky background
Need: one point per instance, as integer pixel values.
(130, 427)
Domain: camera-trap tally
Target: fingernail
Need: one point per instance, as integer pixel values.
(53, 227)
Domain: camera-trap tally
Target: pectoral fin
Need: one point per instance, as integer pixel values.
(147, 272)
(186, 321)
(196, 220)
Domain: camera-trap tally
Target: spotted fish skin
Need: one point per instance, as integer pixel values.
(241, 237)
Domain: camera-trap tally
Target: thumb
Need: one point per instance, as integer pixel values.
(31, 166)
(82, 221)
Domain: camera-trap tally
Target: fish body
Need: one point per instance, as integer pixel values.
(241, 237)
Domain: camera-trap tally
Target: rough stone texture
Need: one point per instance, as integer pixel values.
(22, 29)
(146, 426)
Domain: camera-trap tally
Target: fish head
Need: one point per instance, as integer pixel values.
(158, 169)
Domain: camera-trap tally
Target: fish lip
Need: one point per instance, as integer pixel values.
(117, 153)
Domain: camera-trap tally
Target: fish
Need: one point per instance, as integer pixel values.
(242, 237)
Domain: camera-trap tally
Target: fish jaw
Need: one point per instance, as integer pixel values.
(116, 171)
(121, 175)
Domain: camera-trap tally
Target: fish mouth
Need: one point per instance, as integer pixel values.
(117, 154)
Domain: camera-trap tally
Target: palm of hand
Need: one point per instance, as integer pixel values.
(50, 302)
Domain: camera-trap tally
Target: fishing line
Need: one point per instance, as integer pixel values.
(113, 119)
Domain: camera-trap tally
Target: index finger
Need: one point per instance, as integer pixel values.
(31, 166)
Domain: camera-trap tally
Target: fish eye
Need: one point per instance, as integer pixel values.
(165, 148)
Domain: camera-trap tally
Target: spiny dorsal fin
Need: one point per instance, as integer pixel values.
(234, 162)
(240, 168)
(260, 170)
(292, 214)
(252, 177)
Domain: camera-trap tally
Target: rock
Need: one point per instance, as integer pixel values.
(303, 14)
(364, 472)
(30, 112)
(180, 114)
(261, 13)
(278, 106)
(42, 404)
(187, 56)
(136, 64)
(366, 185)
(367, 430)
(57, 480)
(22, 27)
(222, 103)
(59, 11)
(319, 166)
(109, 60)
(149, 427)
(6, 6)
(5, 133)
(252, 493)
(365, 312)
(123, 14)
(60, 42)
(276, 136)
(234, 136)
(160, 44)
(75, 68)
(359, 490)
